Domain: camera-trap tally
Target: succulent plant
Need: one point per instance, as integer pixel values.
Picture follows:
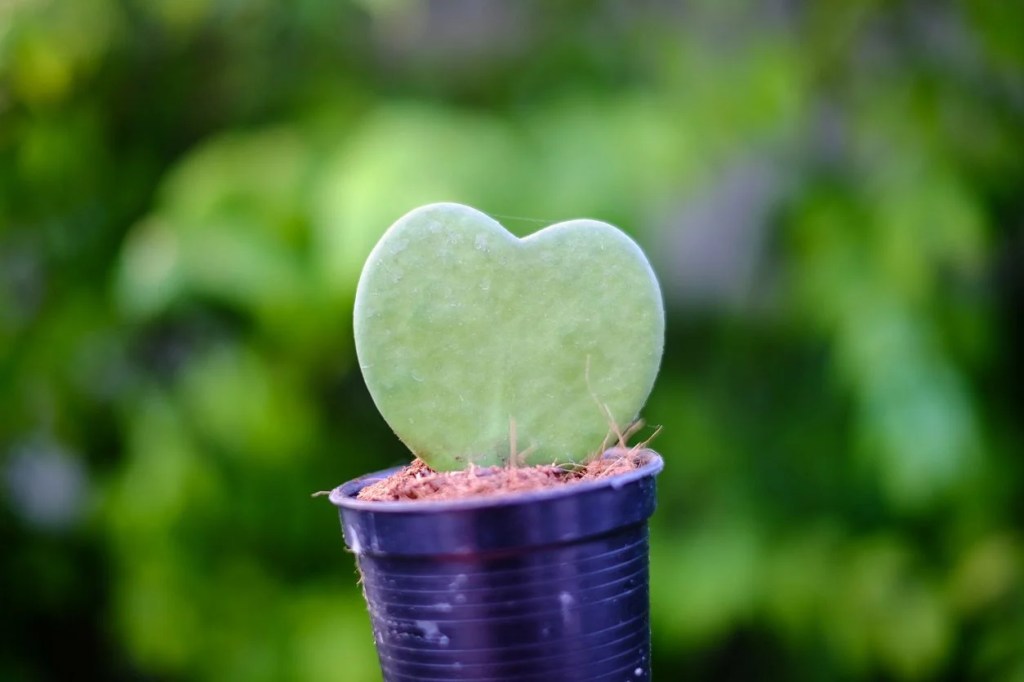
(480, 347)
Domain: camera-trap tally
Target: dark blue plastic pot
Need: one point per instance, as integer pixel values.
(548, 585)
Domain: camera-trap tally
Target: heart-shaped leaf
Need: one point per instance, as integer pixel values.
(478, 346)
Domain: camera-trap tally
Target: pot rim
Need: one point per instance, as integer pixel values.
(343, 496)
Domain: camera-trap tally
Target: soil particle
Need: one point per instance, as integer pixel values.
(418, 481)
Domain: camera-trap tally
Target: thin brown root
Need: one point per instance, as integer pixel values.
(630, 432)
(642, 445)
(516, 458)
(613, 427)
(521, 456)
(512, 441)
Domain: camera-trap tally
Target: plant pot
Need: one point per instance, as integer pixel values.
(546, 585)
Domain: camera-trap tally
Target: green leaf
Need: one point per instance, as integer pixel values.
(476, 345)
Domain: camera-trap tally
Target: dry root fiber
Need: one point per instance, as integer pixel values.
(419, 482)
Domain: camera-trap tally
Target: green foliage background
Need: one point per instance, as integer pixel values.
(831, 193)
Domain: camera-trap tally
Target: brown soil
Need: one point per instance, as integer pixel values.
(418, 481)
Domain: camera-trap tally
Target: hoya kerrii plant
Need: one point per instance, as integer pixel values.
(482, 348)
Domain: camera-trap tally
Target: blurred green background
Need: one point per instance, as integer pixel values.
(832, 195)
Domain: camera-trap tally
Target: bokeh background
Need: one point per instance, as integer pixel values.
(832, 195)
